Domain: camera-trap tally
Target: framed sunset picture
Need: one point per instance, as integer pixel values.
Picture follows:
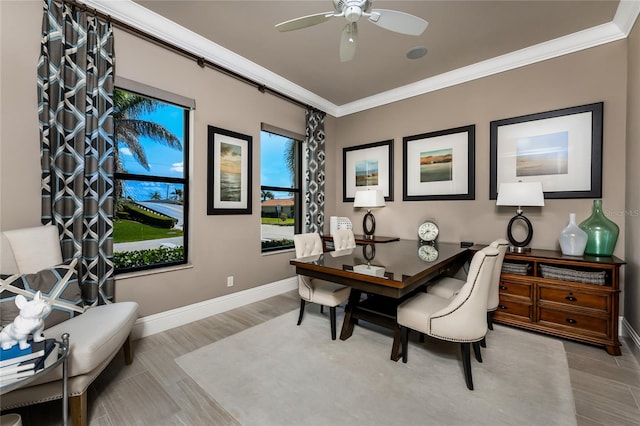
(229, 172)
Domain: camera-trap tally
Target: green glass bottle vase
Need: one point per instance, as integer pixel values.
(602, 233)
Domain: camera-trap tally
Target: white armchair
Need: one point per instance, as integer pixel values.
(315, 290)
(448, 287)
(96, 335)
(461, 319)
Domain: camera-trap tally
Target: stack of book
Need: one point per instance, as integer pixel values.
(16, 363)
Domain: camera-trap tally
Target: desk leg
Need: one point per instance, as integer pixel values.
(349, 319)
(396, 352)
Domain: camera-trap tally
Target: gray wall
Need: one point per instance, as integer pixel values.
(225, 245)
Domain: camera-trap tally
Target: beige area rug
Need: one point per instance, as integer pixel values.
(277, 373)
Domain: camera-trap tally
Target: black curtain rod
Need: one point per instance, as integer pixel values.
(202, 62)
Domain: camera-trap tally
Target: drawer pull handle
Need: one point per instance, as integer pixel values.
(571, 321)
(503, 307)
(571, 299)
(503, 287)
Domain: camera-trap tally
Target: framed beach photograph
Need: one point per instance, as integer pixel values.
(439, 165)
(229, 172)
(368, 166)
(560, 148)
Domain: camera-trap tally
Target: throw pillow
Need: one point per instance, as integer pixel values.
(59, 284)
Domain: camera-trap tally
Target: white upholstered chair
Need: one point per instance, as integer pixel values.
(461, 319)
(95, 336)
(447, 287)
(343, 239)
(314, 290)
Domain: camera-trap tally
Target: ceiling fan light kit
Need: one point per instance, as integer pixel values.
(352, 10)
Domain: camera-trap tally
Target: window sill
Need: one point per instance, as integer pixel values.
(136, 274)
(270, 253)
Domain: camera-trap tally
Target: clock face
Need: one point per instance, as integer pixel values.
(428, 253)
(428, 231)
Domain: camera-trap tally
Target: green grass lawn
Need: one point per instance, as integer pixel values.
(126, 231)
(276, 221)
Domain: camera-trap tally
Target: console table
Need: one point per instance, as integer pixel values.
(574, 297)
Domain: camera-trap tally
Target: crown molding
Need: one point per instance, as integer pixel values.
(626, 15)
(148, 21)
(575, 42)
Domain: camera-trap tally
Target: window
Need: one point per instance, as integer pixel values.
(152, 189)
(280, 183)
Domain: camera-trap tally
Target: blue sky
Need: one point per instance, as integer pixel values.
(163, 161)
(273, 169)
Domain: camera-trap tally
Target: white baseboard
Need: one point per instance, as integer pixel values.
(628, 331)
(152, 324)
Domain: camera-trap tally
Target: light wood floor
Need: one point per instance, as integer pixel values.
(155, 391)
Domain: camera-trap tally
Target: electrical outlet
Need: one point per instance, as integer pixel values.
(230, 281)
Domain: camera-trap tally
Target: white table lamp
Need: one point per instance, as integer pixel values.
(369, 199)
(520, 194)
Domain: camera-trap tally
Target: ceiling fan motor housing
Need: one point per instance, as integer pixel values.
(352, 9)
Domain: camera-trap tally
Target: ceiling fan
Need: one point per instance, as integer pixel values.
(352, 10)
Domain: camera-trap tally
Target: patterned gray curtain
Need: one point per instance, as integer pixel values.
(314, 171)
(75, 101)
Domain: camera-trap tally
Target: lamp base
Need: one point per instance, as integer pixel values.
(369, 225)
(519, 246)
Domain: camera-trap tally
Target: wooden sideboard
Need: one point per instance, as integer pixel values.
(566, 296)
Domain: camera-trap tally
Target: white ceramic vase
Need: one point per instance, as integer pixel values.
(573, 240)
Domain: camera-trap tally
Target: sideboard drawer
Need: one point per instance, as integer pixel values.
(509, 307)
(515, 288)
(573, 320)
(574, 298)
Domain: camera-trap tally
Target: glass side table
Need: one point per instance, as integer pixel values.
(62, 347)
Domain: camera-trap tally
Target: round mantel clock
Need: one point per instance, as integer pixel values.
(428, 252)
(428, 231)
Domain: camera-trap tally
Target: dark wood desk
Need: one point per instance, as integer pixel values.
(360, 240)
(404, 272)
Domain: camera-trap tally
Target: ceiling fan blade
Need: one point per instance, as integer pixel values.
(348, 42)
(399, 22)
(304, 21)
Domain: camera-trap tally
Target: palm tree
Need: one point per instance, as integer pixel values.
(290, 158)
(177, 194)
(129, 128)
(267, 195)
(156, 196)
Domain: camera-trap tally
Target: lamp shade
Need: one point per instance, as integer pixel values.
(520, 194)
(369, 198)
